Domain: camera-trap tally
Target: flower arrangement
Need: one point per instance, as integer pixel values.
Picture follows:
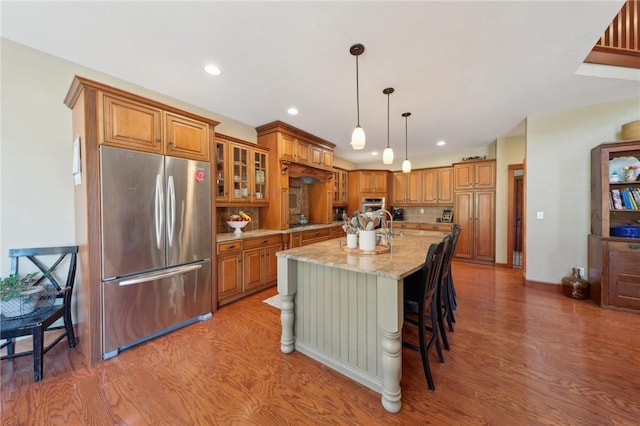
(14, 286)
(630, 173)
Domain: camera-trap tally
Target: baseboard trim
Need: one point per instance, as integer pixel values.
(552, 287)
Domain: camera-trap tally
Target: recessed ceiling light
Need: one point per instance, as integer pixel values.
(374, 153)
(293, 111)
(440, 143)
(213, 69)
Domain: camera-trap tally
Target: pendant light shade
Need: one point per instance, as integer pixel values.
(387, 155)
(358, 138)
(406, 164)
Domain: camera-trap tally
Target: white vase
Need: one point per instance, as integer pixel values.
(367, 240)
(352, 240)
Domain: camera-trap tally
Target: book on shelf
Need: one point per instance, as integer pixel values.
(617, 201)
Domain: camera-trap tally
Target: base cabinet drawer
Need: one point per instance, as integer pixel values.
(624, 274)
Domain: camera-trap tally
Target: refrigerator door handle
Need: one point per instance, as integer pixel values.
(159, 275)
(171, 219)
(159, 211)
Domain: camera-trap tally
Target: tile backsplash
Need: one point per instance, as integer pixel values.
(412, 214)
(222, 213)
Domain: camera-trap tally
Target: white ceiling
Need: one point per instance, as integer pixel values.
(469, 72)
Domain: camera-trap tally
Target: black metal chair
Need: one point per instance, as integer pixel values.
(421, 306)
(40, 321)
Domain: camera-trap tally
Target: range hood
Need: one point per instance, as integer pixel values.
(306, 174)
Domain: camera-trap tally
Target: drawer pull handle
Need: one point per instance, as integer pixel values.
(634, 246)
(265, 241)
(230, 246)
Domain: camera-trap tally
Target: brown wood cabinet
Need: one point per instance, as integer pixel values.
(373, 181)
(440, 227)
(475, 211)
(294, 148)
(106, 115)
(246, 266)
(407, 188)
(474, 175)
(614, 270)
(137, 125)
(340, 187)
(242, 172)
(229, 266)
(474, 207)
(437, 186)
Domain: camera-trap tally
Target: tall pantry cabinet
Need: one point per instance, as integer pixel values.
(103, 115)
(474, 210)
(614, 269)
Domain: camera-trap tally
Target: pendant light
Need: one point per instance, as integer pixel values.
(387, 155)
(406, 164)
(357, 137)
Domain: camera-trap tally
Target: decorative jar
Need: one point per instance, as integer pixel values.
(575, 286)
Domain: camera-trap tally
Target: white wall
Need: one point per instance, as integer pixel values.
(508, 151)
(36, 186)
(558, 152)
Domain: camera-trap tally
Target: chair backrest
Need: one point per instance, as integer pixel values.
(431, 272)
(53, 268)
(448, 253)
(455, 233)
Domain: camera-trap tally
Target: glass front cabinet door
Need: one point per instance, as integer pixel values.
(260, 192)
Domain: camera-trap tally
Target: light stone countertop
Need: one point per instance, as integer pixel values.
(407, 254)
(257, 233)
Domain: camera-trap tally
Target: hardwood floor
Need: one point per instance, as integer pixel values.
(518, 356)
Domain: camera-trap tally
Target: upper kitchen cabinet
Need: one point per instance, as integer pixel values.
(340, 187)
(242, 171)
(475, 175)
(370, 181)
(296, 154)
(296, 146)
(437, 186)
(407, 188)
(136, 124)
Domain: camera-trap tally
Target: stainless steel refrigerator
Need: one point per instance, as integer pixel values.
(156, 245)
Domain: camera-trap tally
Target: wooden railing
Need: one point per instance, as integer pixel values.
(620, 43)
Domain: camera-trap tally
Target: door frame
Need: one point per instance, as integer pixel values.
(510, 208)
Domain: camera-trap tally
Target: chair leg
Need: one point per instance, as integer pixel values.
(425, 359)
(38, 342)
(11, 347)
(68, 327)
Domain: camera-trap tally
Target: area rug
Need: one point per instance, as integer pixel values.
(274, 301)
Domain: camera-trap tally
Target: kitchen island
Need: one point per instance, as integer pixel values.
(346, 310)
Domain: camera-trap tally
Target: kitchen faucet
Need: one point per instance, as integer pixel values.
(381, 212)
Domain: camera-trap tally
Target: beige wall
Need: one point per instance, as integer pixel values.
(558, 183)
(443, 158)
(36, 186)
(508, 151)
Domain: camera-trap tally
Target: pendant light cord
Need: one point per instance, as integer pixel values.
(357, 93)
(388, 120)
(406, 137)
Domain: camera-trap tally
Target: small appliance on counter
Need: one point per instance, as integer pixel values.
(302, 220)
(338, 214)
(397, 213)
